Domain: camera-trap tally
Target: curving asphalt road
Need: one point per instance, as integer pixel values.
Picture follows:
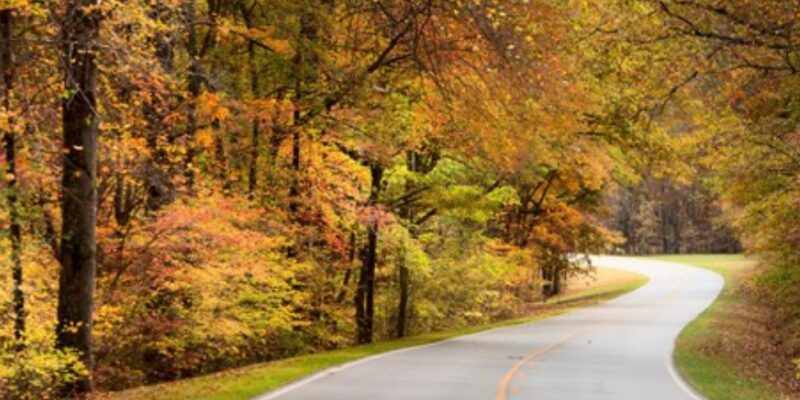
(620, 350)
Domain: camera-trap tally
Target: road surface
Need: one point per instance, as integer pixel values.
(619, 350)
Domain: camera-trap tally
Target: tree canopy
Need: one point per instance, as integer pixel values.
(192, 185)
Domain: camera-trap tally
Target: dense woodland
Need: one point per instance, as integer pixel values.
(195, 185)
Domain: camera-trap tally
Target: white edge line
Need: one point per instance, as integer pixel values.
(669, 358)
(694, 394)
(270, 395)
(274, 394)
(330, 370)
(673, 372)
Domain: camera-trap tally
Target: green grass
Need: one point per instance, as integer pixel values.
(247, 382)
(713, 374)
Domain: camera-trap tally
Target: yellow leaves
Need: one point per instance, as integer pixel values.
(10, 123)
(263, 36)
(210, 106)
(4, 125)
(106, 317)
(796, 362)
(270, 110)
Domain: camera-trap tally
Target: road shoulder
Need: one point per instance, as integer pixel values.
(730, 351)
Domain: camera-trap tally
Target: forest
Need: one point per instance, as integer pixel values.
(190, 186)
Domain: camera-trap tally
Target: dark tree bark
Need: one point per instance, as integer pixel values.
(294, 188)
(252, 181)
(80, 33)
(309, 33)
(421, 162)
(365, 293)
(349, 272)
(10, 140)
(404, 280)
(194, 85)
(160, 187)
(551, 274)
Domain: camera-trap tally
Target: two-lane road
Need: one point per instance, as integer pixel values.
(620, 350)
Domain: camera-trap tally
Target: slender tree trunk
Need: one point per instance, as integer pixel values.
(10, 140)
(404, 275)
(362, 334)
(676, 231)
(221, 157)
(556, 287)
(371, 264)
(345, 282)
(80, 33)
(252, 181)
(349, 272)
(294, 188)
(416, 163)
(252, 176)
(551, 277)
(309, 32)
(365, 293)
(402, 306)
(294, 185)
(194, 86)
(664, 219)
(159, 178)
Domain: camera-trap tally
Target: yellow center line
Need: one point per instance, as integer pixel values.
(505, 382)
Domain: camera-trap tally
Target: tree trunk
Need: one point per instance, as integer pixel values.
(309, 33)
(404, 277)
(10, 140)
(402, 306)
(160, 189)
(349, 272)
(194, 86)
(252, 181)
(362, 334)
(551, 274)
(365, 293)
(221, 157)
(294, 187)
(556, 286)
(80, 33)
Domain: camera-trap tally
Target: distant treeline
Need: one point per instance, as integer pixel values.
(660, 216)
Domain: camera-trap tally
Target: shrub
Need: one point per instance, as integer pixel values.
(36, 373)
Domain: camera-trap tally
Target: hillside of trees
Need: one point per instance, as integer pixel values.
(194, 185)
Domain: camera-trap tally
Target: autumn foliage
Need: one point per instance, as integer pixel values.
(281, 177)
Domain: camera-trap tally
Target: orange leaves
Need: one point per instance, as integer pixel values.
(263, 36)
(204, 138)
(211, 106)
(214, 109)
(269, 110)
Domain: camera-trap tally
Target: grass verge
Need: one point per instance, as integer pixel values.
(729, 352)
(250, 381)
